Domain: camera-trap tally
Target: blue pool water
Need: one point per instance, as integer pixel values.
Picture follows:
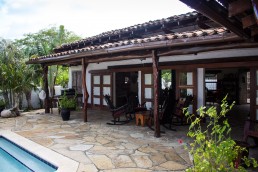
(15, 159)
(7, 159)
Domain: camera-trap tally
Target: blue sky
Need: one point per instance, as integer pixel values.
(84, 17)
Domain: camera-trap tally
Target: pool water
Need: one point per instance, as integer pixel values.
(6, 159)
(15, 159)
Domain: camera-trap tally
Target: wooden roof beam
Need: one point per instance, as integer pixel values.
(248, 21)
(216, 14)
(238, 7)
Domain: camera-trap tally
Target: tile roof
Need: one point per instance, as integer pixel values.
(144, 26)
(186, 36)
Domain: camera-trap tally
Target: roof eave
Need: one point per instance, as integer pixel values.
(142, 46)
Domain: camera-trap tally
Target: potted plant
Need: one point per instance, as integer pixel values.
(2, 105)
(67, 104)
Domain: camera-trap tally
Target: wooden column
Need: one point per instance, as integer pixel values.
(45, 82)
(85, 91)
(155, 62)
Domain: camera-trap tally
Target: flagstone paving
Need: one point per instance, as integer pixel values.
(99, 147)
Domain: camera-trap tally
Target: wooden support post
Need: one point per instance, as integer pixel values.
(45, 82)
(155, 61)
(85, 91)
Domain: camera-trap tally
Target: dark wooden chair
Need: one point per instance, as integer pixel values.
(162, 110)
(179, 117)
(251, 130)
(134, 106)
(117, 112)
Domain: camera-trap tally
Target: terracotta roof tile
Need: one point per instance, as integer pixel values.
(145, 26)
(156, 38)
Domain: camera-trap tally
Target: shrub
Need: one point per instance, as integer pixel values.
(2, 102)
(67, 102)
(212, 148)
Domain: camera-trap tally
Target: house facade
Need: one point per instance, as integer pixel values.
(201, 55)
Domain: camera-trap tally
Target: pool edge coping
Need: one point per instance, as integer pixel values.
(63, 163)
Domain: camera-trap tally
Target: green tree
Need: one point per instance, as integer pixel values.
(43, 43)
(13, 73)
(18, 78)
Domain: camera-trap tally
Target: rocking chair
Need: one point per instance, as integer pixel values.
(116, 112)
(161, 114)
(179, 117)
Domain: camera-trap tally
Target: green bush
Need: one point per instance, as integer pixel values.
(2, 102)
(212, 148)
(67, 102)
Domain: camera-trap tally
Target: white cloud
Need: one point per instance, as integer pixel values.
(84, 17)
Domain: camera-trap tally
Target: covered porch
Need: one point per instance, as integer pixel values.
(179, 43)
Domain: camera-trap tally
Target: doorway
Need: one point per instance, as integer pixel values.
(126, 85)
(233, 82)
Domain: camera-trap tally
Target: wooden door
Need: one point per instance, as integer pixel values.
(147, 88)
(186, 85)
(101, 84)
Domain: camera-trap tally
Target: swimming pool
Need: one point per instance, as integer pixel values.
(35, 150)
(6, 159)
(14, 158)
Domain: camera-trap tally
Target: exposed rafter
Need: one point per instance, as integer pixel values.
(219, 14)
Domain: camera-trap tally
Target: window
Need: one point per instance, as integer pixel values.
(211, 81)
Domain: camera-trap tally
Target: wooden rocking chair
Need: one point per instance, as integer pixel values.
(117, 112)
(179, 117)
(162, 111)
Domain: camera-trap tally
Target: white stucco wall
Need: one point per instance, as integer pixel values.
(205, 55)
(34, 100)
(213, 55)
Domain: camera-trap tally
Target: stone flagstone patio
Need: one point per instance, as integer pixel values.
(101, 147)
